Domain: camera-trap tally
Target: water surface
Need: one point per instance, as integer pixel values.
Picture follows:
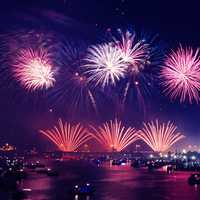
(111, 182)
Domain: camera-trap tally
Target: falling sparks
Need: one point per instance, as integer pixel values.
(80, 82)
(181, 75)
(104, 65)
(34, 70)
(74, 91)
(160, 137)
(67, 137)
(114, 136)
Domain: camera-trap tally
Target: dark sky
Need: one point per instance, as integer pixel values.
(175, 22)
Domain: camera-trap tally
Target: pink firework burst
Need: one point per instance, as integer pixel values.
(181, 75)
(160, 136)
(33, 69)
(67, 137)
(135, 53)
(114, 136)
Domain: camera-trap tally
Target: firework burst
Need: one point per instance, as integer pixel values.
(34, 70)
(67, 137)
(181, 74)
(114, 136)
(136, 53)
(160, 137)
(104, 65)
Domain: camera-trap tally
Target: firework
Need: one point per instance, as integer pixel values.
(67, 137)
(104, 65)
(160, 137)
(23, 48)
(181, 74)
(114, 136)
(33, 69)
(72, 84)
(136, 53)
(81, 91)
(140, 56)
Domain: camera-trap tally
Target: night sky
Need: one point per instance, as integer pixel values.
(22, 113)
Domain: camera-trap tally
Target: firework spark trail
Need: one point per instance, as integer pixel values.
(126, 92)
(93, 101)
(67, 137)
(74, 92)
(81, 83)
(181, 74)
(139, 96)
(34, 70)
(104, 65)
(160, 137)
(141, 99)
(114, 136)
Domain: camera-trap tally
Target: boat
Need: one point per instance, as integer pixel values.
(194, 179)
(51, 172)
(116, 162)
(85, 189)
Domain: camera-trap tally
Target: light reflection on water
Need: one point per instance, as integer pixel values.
(111, 182)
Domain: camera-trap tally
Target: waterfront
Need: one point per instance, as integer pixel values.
(111, 183)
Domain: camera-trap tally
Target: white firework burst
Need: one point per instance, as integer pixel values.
(104, 65)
